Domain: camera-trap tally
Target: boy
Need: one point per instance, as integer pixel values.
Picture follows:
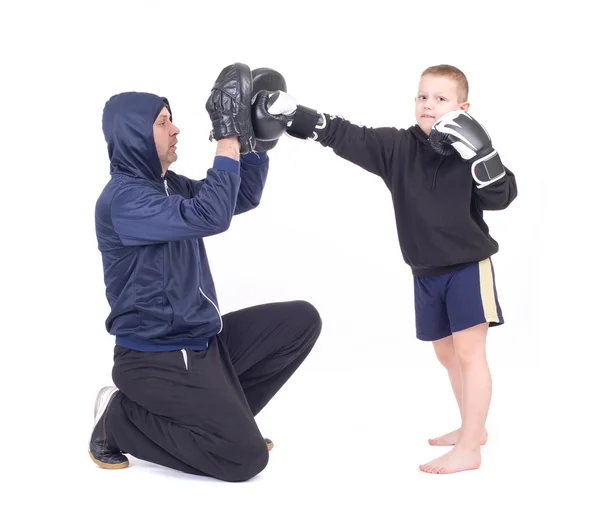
(442, 173)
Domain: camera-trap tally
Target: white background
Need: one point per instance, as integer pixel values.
(351, 427)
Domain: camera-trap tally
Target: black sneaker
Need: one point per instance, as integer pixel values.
(101, 451)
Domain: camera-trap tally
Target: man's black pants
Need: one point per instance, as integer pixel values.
(194, 410)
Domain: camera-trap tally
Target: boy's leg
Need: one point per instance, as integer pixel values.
(184, 410)
(267, 343)
(433, 325)
(477, 390)
(477, 384)
(446, 354)
(472, 307)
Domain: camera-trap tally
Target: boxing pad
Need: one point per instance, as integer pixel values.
(229, 106)
(269, 80)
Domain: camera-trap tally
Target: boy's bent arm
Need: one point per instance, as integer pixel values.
(497, 195)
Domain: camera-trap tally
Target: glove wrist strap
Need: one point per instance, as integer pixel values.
(304, 123)
(487, 169)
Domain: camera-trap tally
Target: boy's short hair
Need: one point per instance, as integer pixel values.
(453, 73)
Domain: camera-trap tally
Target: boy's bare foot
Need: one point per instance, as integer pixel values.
(451, 438)
(457, 460)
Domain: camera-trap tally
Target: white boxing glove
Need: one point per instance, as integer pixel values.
(457, 131)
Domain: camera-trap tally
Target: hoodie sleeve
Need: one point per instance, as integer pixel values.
(142, 215)
(497, 195)
(373, 149)
(253, 173)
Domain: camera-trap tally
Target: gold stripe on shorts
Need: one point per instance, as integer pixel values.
(486, 286)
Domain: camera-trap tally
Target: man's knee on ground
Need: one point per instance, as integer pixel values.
(236, 460)
(308, 313)
(253, 458)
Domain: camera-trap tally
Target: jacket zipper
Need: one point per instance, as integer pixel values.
(215, 306)
(213, 303)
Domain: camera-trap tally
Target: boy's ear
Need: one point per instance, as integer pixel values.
(465, 106)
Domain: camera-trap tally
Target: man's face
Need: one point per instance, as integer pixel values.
(165, 138)
(437, 96)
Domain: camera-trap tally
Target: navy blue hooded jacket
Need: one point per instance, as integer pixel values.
(150, 230)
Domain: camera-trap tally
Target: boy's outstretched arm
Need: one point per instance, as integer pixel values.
(373, 149)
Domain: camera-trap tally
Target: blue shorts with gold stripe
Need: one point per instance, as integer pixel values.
(456, 301)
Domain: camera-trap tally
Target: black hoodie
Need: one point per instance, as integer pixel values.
(438, 206)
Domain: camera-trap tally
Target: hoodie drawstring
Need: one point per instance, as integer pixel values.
(436, 173)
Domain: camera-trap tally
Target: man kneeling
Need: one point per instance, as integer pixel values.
(189, 381)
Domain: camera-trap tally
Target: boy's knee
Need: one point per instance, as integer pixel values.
(445, 352)
(470, 344)
(468, 355)
(448, 361)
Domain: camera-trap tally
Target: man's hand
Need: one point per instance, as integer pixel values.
(229, 106)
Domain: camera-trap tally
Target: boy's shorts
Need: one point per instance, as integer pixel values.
(456, 301)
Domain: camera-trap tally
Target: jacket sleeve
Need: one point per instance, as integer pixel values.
(142, 215)
(497, 195)
(253, 173)
(373, 149)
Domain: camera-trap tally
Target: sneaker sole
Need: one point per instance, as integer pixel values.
(110, 466)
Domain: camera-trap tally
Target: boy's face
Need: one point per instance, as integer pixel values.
(437, 96)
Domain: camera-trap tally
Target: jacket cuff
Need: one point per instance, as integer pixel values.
(223, 163)
(257, 158)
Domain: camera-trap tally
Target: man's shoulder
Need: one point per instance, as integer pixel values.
(120, 184)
